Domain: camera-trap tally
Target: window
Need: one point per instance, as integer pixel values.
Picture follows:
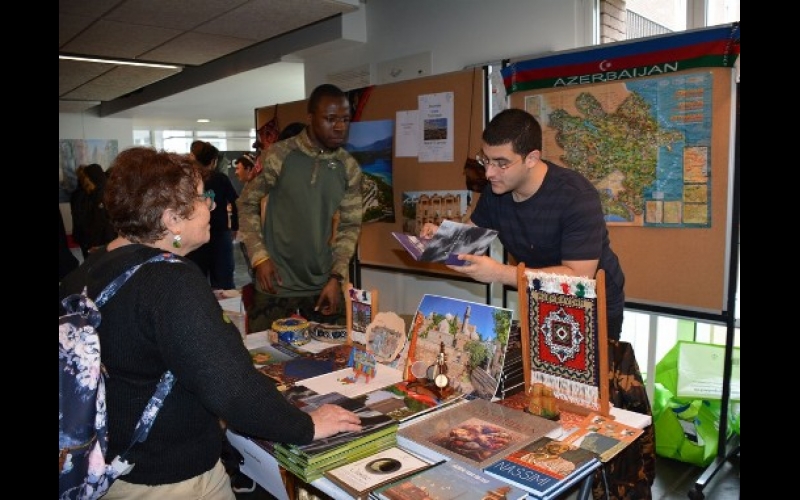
(177, 141)
(142, 138)
(180, 141)
(644, 18)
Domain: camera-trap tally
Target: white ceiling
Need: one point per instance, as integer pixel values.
(229, 103)
(234, 56)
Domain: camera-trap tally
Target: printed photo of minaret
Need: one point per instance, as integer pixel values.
(475, 337)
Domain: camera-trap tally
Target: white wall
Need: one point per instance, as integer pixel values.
(88, 125)
(459, 33)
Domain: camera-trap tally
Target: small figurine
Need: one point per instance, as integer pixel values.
(363, 363)
(542, 402)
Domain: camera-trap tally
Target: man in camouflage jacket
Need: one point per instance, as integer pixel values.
(298, 267)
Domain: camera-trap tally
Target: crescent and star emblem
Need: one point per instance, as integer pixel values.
(605, 64)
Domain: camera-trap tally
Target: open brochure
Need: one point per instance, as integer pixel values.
(451, 239)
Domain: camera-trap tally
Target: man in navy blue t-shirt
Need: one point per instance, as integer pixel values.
(547, 216)
(551, 218)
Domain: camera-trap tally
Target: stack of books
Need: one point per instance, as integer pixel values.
(512, 378)
(310, 461)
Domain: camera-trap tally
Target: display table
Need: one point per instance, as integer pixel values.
(264, 469)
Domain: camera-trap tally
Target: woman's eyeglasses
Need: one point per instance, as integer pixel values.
(208, 197)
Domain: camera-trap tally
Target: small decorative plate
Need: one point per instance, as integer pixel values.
(386, 336)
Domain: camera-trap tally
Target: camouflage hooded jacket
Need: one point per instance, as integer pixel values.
(306, 187)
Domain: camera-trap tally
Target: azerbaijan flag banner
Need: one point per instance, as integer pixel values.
(708, 47)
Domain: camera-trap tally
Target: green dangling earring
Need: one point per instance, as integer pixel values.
(176, 241)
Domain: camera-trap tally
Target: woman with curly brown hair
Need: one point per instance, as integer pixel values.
(166, 317)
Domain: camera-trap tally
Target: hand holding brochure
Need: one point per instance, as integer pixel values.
(451, 239)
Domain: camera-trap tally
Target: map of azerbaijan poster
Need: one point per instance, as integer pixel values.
(644, 143)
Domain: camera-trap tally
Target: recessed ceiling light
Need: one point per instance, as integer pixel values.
(118, 61)
(203, 120)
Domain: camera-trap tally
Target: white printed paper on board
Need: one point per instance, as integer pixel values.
(407, 133)
(436, 127)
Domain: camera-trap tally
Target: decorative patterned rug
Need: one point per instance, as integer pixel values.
(563, 339)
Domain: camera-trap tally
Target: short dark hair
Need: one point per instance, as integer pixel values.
(207, 154)
(196, 147)
(324, 90)
(246, 160)
(516, 126)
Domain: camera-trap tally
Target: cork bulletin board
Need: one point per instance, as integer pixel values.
(377, 246)
(680, 267)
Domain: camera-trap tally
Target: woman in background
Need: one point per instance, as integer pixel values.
(90, 227)
(166, 317)
(215, 258)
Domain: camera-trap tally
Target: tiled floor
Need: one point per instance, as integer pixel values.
(674, 480)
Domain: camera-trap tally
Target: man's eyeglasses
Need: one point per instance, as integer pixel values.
(486, 162)
(208, 197)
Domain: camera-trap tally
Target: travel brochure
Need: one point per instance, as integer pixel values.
(404, 403)
(471, 337)
(372, 424)
(267, 355)
(451, 239)
(604, 436)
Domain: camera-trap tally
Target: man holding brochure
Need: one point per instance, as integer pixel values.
(551, 218)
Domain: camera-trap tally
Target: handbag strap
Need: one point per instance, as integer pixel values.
(145, 423)
(111, 289)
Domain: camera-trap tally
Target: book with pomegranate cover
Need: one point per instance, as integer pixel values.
(477, 432)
